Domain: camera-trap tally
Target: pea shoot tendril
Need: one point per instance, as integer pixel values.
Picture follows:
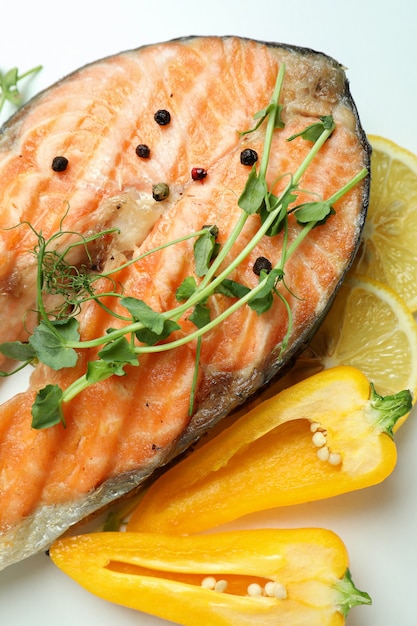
(56, 339)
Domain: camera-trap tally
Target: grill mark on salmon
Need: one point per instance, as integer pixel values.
(120, 430)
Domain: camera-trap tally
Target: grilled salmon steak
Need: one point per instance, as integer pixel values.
(217, 229)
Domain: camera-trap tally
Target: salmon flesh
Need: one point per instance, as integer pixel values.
(170, 115)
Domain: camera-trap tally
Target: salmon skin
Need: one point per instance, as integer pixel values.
(120, 430)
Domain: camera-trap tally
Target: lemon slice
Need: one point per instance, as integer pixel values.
(388, 252)
(370, 327)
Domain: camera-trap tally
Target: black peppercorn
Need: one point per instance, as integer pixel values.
(143, 151)
(59, 164)
(198, 173)
(260, 264)
(248, 156)
(162, 117)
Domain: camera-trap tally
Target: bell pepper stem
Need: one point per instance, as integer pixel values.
(389, 409)
(350, 596)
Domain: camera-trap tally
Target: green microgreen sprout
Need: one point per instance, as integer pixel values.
(9, 90)
(313, 131)
(56, 340)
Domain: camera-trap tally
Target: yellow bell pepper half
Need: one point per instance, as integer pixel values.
(268, 576)
(324, 436)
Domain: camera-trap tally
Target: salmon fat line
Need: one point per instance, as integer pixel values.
(56, 339)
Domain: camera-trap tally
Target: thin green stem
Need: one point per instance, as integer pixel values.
(39, 284)
(348, 186)
(284, 254)
(75, 388)
(300, 237)
(224, 252)
(33, 71)
(271, 122)
(195, 376)
(17, 369)
(84, 240)
(310, 156)
(331, 200)
(173, 242)
(289, 315)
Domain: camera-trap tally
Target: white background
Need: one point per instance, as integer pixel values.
(375, 40)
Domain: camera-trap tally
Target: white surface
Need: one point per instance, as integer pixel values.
(375, 40)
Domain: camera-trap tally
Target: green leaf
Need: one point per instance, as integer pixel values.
(328, 122)
(119, 351)
(49, 341)
(149, 338)
(259, 115)
(186, 289)
(47, 408)
(143, 313)
(17, 350)
(204, 249)
(289, 197)
(313, 212)
(278, 223)
(263, 300)
(253, 194)
(200, 315)
(67, 328)
(10, 78)
(261, 304)
(100, 370)
(285, 200)
(271, 109)
(232, 289)
(313, 131)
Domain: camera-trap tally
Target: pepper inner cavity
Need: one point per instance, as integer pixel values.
(234, 584)
(286, 453)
